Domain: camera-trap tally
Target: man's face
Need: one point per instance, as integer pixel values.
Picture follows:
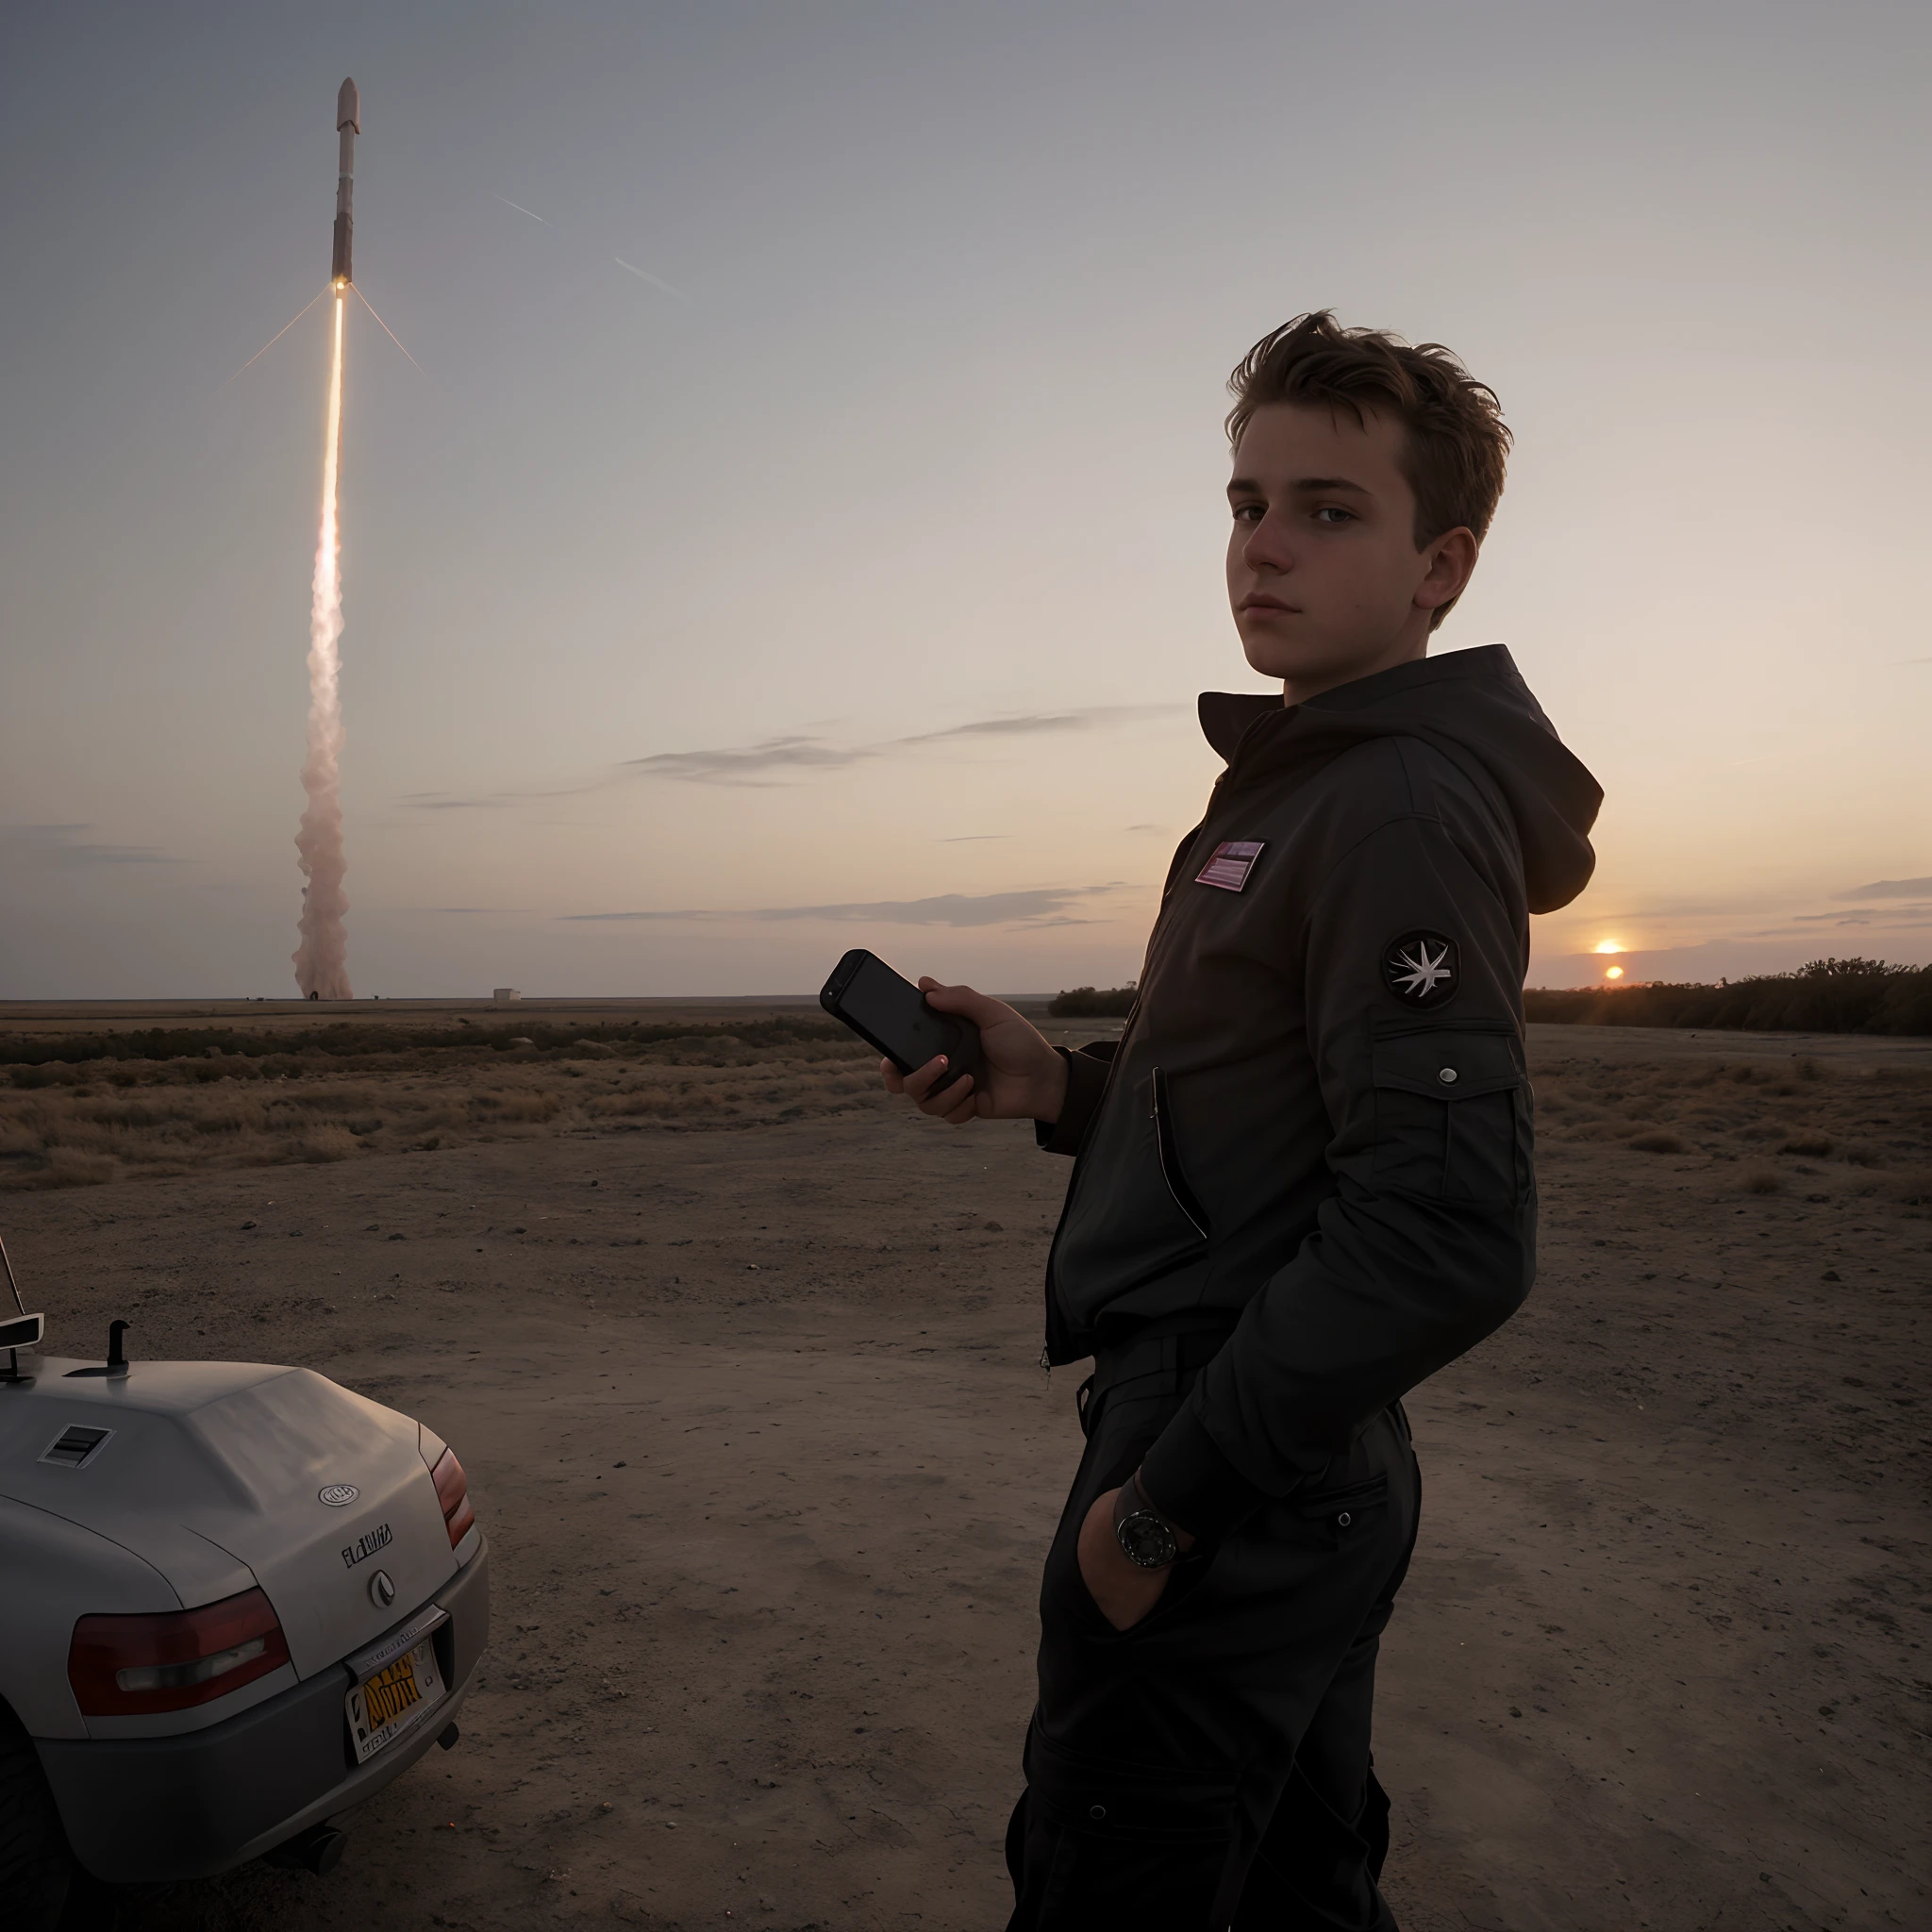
(1323, 572)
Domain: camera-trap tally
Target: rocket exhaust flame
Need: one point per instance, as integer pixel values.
(322, 969)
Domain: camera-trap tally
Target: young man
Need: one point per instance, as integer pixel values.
(1303, 1181)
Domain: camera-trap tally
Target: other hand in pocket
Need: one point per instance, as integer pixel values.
(1123, 1592)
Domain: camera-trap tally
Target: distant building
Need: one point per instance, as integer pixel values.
(505, 995)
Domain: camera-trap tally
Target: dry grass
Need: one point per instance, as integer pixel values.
(82, 1121)
(1764, 1129)
(338, 1094)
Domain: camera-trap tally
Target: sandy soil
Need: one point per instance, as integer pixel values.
(1661, 1661)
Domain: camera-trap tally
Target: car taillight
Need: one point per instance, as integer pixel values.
(126, 1666)
(453, 1492)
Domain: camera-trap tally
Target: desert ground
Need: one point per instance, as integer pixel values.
(1661, 1661)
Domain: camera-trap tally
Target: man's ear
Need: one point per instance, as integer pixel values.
(1450, 564)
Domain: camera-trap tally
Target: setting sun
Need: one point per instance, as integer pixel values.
(1613, 973)
(1607, 947)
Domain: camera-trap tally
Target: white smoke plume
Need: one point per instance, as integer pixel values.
(322, 961)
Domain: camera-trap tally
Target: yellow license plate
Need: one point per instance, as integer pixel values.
(389, 1701)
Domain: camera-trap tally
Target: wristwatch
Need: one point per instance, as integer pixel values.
(1146, 1537)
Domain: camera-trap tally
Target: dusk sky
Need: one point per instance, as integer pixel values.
(804, 526)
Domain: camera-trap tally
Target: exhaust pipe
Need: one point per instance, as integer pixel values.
(318, 1850)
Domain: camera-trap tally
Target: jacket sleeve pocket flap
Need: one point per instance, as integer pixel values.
(1449, 1065)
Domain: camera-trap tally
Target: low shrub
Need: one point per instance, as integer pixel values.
(1092, 1002)
(1825, 996)
(535, 1106)
(71, 1167)
(1655, 1144)
(223, 1053)
(320, 1144)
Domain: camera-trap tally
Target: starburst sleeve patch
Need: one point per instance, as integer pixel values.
(1421, 969)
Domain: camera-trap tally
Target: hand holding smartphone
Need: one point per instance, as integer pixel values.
(891, 1014)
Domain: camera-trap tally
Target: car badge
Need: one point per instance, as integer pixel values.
(338, 1496)
(367, 1544)
(382, 1590)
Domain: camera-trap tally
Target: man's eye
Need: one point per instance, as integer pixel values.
(1333, 514)
(1247, 512)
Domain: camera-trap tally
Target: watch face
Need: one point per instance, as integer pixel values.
(1147, 1540)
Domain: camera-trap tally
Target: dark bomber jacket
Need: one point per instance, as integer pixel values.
(1316, 1125)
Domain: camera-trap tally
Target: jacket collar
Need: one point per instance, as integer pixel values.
(1227, 715)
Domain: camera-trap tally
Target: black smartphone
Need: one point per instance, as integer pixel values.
(891, 1014)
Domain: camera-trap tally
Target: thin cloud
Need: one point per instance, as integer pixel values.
(448, 801)
(1909, 918)
(1037, 906)
(748, 764)
(790, 760)
(490, 801)
(1045, 905)
(1892, 888)
(61, 848)
(1029, 723)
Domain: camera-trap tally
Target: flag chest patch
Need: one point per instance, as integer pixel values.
(1233, 861)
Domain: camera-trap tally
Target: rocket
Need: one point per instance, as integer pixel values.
(349, 125)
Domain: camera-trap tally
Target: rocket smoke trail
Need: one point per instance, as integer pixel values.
(322, 961)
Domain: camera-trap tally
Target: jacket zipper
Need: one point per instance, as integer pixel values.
(1184, 1196)
(1224, 788)
(1056, 1329)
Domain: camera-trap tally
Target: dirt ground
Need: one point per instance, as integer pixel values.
(1661, 1661)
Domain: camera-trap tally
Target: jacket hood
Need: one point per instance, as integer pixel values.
(1470, 705)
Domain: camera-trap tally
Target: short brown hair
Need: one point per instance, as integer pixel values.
(1457, 443)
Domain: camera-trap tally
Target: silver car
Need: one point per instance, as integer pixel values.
(235, 1601)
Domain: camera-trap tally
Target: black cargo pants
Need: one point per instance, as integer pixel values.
(1209, 1768)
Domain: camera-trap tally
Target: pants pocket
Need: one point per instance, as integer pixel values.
(1067, 1605)
(1335, 1514)
(1120, 1426)
(1108, 1844)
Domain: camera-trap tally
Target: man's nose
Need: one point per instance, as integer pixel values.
(1267, 546)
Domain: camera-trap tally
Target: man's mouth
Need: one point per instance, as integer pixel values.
(1265, 603)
